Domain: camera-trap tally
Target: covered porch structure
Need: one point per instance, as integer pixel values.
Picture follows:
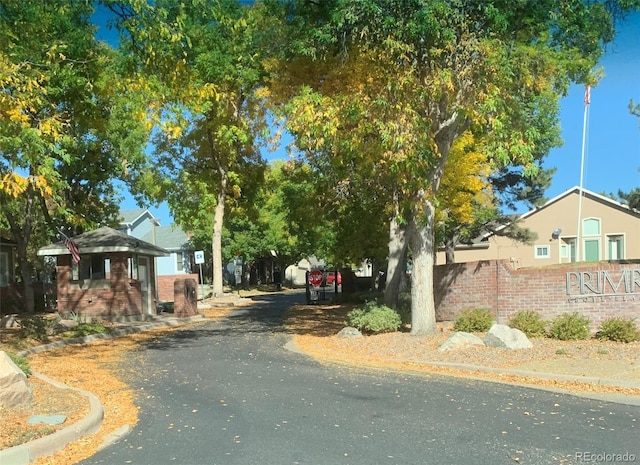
(114, 280)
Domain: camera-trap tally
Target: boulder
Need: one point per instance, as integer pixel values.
(8, 321)
(507, 338)
(66, 325)
(460, 339)
(349, 332)
(14, 387)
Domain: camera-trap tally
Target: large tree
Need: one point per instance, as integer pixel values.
(209, 114)
(63, 129)
(422, 72)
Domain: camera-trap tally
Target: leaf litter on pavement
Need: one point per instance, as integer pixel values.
(97, 367)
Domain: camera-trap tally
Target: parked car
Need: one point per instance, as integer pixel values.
(330, 277)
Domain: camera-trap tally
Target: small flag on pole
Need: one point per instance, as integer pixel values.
(72, 247)
(587, 95)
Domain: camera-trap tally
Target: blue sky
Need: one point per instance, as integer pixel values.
(612, 149)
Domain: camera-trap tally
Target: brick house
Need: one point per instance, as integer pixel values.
(114, 280)
(8, 289)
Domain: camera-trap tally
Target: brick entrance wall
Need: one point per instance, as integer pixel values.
(165, 285)
(596, 290)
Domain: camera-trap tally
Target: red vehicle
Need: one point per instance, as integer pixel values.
(330, 277)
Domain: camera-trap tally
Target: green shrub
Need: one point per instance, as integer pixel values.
(35, 327)
(360, 297)
(619, 330)
(21, 362)
(570, 326)
(87, 329)
(404, 307)
(474, 320)
(529, 322)
(374, 318)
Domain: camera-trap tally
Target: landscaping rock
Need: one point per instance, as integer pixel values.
(460, 339)
(66, 325)
(349, 332)
(8, 321)
(14, 387)
(47, 419)
(507, 338)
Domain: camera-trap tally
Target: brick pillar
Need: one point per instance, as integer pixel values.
(63, 276)
(184, 297)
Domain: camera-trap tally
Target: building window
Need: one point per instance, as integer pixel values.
(615, 247)
(4, 269)
(90, 267)
(542, 251)
(591, 250)
(591, 227)
(568, 248)
(180, 262)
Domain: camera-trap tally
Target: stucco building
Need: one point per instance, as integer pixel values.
(609, 230)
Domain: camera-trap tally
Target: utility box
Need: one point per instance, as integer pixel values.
(185, 300)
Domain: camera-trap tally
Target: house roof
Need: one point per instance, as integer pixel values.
(128, 217)
(587, 194)
(5, 241)
(172, 238)
(105, 240)
(574, 190)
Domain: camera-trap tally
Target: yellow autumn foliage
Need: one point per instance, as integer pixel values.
(464, 179)
(14, 184)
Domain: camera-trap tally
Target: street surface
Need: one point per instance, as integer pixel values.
(228, 393)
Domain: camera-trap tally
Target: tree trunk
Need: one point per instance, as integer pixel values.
(20, 226)
(28, 297)
(216, 239)
(396, 265)
(423, 310)
(449, 250)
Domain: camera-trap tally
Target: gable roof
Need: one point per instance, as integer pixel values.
(104, 240)
(587, 194)
(172, 238)
(574, 190)
(128, 217)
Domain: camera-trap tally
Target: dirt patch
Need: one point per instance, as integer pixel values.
(314, 328)
(48, 400)
(97, 367)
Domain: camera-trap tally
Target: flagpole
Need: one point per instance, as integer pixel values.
(587, 101)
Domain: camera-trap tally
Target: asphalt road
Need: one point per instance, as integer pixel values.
(228, 393)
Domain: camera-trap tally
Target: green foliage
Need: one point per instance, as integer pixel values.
(374, 318)
(529, 322)
(404, 306)
(569, 326)
(21, 362)
(35, 327)
(361, 297)
(474, 320)
(87, 329)
(619, 330)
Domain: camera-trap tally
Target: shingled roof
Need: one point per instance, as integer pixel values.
(105, 240)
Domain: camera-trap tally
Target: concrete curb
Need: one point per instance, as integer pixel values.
(471, 369)
(47, 445)
(169, 322)
(23, 454)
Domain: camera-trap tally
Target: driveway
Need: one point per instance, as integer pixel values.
(229, 393)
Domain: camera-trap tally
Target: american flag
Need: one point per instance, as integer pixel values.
(73, 248)
(587, 95)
